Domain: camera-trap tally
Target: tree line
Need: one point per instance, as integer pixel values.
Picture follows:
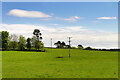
(14, 42)
(62, 44)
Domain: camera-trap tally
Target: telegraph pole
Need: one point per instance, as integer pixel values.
(69, 45)
(51, 43)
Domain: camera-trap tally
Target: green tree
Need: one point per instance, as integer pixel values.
(58, 44)
(67, 46)
(37, 39)
(33, 41)
(39, 45)
(63, 44)
(37, 34)
(88, 48)
(21, 43)
(73, 47)
(5, 35)
(29, 43)
(80, 46)
(13, 41)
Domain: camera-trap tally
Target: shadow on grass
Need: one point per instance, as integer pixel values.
(60, 57)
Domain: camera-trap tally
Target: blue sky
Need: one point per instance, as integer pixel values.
(88, 11)
(91, 16)
(60, 0)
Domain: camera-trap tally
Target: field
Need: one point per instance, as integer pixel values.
(82, 64)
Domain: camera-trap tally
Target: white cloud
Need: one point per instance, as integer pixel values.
(25, 28)
(73, 18)
(66, 19)
(76, 17)
(69, 19)
(25, 13)
(54, 24)
(106, 18)
(76, 28)
(80, 35)
(46, 19)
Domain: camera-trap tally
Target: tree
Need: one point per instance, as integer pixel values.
(63, 44)
(13, 41)
(29, 43)
(37, 39)
(80, 46)
(21, 43)
(88, 48)
(67, 46)
(5, 35)
(37, 34)
(33, 40)
(58, 44)
(73, 47)
(39, 45)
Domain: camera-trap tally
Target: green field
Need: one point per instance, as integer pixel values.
(82, 64)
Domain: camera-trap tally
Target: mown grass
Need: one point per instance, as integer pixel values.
(82, 64)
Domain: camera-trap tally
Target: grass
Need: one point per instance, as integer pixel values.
(82, 64)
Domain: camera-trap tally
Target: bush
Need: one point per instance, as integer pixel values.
(73, 47)
(80, 47)
(88, 48)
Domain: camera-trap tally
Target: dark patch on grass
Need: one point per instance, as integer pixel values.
(59, 57)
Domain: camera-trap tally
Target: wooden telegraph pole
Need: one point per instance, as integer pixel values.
(69, 45)
(51, 43)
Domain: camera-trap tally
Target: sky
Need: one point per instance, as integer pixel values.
(60, 0)
(88, 23)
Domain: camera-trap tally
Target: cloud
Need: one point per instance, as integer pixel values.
(54, 24)
(46, 19)
(73, 18)
(76, 17)
(66, 19)
(106, 18)
(24, 28)
(70, 19)
(29, 14)
(80, 35)
(76, 28)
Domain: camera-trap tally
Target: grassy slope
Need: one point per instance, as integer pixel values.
(82, 64)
